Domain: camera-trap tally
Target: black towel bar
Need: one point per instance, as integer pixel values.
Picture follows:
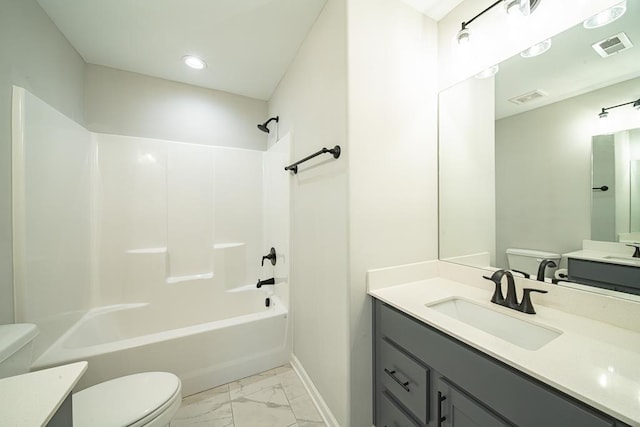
(335, 151)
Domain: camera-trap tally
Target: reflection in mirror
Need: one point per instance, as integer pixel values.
(516, 151)
(614, 200)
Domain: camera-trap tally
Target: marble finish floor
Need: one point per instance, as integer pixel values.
(274, 398)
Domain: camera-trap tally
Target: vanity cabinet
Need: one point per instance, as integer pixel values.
(423, 377)
(617, 277)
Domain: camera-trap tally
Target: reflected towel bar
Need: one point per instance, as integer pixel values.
(335, 151)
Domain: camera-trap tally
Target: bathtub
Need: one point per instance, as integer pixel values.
(206, 344)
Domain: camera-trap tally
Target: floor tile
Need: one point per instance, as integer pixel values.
(274, 398)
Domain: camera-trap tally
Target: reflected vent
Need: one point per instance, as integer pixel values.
(528, 97)
(612, 45)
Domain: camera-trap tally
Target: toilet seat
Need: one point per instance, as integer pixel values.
(130, 401)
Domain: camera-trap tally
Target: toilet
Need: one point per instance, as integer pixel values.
(148, 399)
(528, 261)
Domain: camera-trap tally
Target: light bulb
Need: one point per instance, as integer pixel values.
(463, 35)
(536, 49)
(517, 7)
(606, 16)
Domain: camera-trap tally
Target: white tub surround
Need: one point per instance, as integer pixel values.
(32, 399)
(595, 359)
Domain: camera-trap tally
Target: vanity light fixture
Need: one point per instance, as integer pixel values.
(606, 16)
(605, 113)
(536, 49)
(194, 62)
(523, 7)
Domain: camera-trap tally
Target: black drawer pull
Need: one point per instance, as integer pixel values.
(396, 379)
(441, 399)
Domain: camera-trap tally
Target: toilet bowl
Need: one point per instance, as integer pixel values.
(147, 399)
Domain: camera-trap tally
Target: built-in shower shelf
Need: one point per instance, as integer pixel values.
(162, 250)
(178, 279)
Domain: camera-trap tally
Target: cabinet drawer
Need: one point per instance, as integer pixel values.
(390, 415)
(406, 379)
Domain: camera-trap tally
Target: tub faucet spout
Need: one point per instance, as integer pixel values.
(261, 283)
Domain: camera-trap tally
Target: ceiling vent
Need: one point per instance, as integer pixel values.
(528, 97)
(612, 45)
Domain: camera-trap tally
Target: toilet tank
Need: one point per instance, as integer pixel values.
(16, 348)
(528, 261)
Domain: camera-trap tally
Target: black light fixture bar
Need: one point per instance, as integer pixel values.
(603, 113)
(464, 24)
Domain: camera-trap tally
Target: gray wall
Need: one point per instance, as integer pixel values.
(124, 103)
(543, 171)
(36, 56)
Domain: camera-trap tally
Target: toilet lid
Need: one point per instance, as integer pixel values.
(125, 400)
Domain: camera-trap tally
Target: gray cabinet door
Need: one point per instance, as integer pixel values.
(458, 410)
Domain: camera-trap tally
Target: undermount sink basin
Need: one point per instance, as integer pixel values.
(523, 333)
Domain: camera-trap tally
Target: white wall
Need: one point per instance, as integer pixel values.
(552, 163)
(392, 162)
(467, 169)
(311, 102)
(124, 103)
(36, 56)
(495, 38)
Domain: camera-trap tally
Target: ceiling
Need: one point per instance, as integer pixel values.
(571, 67)
(434, 9)
(247, 44)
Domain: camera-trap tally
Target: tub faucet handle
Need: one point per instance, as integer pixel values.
(271, 256)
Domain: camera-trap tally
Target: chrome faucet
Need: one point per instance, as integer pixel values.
(511, 300)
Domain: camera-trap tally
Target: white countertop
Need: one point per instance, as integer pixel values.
(32, 399)
(596, 362)
(604, 256)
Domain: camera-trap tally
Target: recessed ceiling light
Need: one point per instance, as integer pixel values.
(606, 16)
(536, 49)
(194, 62)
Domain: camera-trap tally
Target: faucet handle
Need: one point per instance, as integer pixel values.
(526, 306)
(496, 278)
(636, 253)
(524, 273)
(271, 256)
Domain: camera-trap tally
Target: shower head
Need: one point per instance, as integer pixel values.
(263, 126)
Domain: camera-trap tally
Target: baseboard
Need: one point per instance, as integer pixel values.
(321, 405)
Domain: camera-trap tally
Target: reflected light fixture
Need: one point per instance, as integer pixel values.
(523, 7)
(536, 49)
(491, 71)
(607, 16)
(605, 110)
(194, 62)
